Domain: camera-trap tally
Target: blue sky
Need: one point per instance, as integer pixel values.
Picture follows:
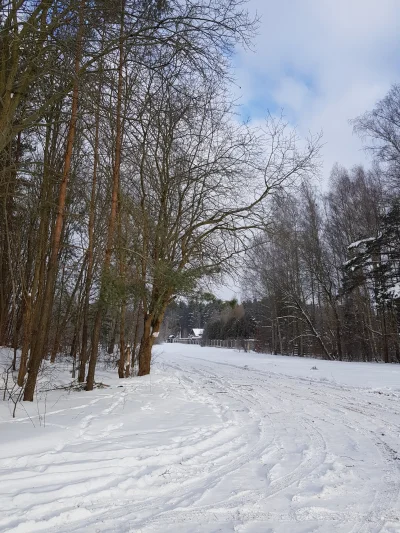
(323, 62)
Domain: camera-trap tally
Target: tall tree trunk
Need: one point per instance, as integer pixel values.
(26, 340)
(136, 336)
(62, 322)
(90, 251)
(386, 355)
(57, 336)
(122, 271)
(338, 327)
(37, 352)
(146, 345)
(114, 332)
(113, 214)
(122, 346)
(75, 343)
(151, 328)
(46, 200)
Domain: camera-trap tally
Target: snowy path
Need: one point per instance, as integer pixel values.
(214, 441)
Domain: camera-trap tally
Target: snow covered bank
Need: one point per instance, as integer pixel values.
(212, 441)
(365, 375)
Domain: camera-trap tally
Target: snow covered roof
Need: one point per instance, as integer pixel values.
(198, 332)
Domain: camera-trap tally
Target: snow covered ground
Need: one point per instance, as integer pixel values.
(213, 441)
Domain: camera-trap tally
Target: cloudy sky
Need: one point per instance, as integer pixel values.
(323, 62)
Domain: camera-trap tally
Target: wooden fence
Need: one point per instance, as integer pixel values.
(189, 340)
(247, 345)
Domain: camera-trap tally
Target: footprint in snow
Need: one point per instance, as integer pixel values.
(147, 407)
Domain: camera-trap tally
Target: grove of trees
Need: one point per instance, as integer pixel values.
(125, 176)
(325, 280)
(219, 319)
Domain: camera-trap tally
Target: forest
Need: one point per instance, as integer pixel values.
(324, 280)
(128, 181)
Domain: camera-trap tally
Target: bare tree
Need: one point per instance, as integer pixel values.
(200, 184)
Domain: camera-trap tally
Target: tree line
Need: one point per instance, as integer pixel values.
(325, 279)
(220, 319)
(125, 176)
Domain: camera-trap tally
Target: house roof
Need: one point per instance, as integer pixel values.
(198, 332)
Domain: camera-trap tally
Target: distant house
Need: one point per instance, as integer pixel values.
(196, 332)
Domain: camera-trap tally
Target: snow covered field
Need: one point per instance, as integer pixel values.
(213, 441)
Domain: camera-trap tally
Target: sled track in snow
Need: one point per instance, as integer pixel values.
(338, 410)
(302, 443)
(179, 506)
(231, 510)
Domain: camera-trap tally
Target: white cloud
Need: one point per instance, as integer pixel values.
(293, 93)
(324, 62)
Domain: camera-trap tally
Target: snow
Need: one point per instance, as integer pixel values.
(213, 441)
(356, 244)
(394, 291)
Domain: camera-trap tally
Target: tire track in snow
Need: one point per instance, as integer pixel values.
(261, 404)
(388, 492)
(385, 495)
(232, 509)
(189, 490)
